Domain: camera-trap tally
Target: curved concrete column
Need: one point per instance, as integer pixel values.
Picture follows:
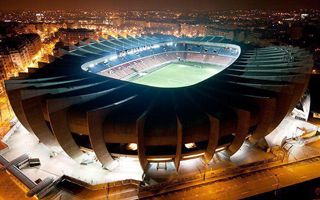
(95, 119)
(60, 128)
(141, 145)
(267, 110)
(213, 138)
(34, 114)
(17, 107)
(179, 145)
(243, 125)
(57, 109)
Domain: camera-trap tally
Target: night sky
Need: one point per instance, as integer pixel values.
(157, 4)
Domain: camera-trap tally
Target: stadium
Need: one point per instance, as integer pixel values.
(159, 98)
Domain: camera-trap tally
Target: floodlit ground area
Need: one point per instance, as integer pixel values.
(289, 128)
(179, 74)
(58, 163)
(269, 168)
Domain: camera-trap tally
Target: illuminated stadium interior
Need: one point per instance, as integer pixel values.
(167, 65)
(176, 74)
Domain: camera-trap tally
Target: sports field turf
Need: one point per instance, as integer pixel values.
(178, 75)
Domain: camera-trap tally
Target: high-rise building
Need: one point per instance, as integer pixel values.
(73, 36)
(16, 53)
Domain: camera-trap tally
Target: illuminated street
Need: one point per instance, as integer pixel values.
(247, 185)
(9, 188)
(6, 115)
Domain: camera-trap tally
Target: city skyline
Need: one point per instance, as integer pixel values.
(204, 5)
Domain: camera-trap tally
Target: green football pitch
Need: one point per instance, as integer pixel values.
(179, 74)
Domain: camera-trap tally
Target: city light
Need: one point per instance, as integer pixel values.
(132, 146)
(190, 145)
(159, 159)
(193, 156)
(112, 58)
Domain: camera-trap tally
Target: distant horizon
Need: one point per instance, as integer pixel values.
(154, 5)
(154, 10)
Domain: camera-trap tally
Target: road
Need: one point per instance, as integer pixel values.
(251, 184)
